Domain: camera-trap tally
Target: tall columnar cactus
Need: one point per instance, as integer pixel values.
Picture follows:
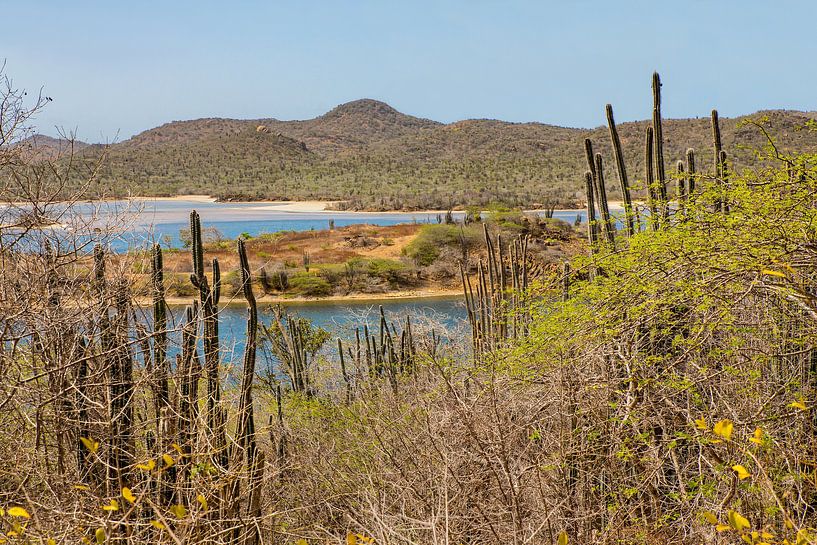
(189, 371)
(716, 152)
(590, 157)
(495, 312)
(118, 367)
(209, 299)
(649, 180)
(159, 331)
(682, 191)
(246, 420)
(658, 148)
(601, 192)
(281, 446)
(246, 445)
(724, 175)
(289, 338)
(343, 371)
(622, 172)
(164, 412)
(121, 391)
(690, 172)
(592, 226)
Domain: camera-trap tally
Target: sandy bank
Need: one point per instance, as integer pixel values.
(324, 206)
(355, 297)
(182, 198)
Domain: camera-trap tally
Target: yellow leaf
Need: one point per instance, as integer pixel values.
(721, 527)
(203, 501)
(50, 541)
(723, 429)
(177, 448)
(773, 273)
(741, 471)
(18, 512)
(168, 460)
(128, 495)
(90, 444)
(113, 506)
(156, 524)
(100, 535)
(351, 539)
(798, 405)
(82, 487)
(757, 437)
(710, 517)
(700, 423)
(178, 511)
(737, 521)
(562, 538)
(301, 542)
(148, 466)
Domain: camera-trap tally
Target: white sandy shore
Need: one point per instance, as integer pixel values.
(183, 198)
(323, 206)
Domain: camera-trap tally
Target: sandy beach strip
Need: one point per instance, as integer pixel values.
(355, 297)
(324, 206)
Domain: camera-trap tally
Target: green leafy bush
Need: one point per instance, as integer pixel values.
(387, 269)
(309, 285)
(425, 248)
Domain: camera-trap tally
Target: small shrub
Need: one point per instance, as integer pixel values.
(179, 285)
(309, 285)
(387, 269)
(426, 247)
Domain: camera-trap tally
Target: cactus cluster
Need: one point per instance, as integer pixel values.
(601, 228)
(496, 303)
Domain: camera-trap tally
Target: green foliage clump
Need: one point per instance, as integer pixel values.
(387, 269)
(309, 285)
(426, 247)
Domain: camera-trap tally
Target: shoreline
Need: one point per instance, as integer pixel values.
(303, 207)
(354, 297)
(323, 206)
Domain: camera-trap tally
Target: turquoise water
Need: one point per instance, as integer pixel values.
(338, 317)
(124, 225)
(161, 220)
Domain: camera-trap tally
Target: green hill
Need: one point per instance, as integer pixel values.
(372, 156)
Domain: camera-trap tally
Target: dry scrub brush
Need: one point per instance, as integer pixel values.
(658, 390)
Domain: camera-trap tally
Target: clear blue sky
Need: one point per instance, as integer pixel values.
(115, 68)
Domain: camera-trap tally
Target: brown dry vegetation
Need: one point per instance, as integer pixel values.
(660, 389)
(381, 256)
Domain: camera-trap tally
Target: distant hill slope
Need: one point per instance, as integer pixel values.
(371, 155)
(47, 147)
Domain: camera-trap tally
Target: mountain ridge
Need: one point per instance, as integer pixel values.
(372, 156)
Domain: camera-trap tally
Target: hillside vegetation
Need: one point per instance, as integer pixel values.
(660, 388)
(373, 157)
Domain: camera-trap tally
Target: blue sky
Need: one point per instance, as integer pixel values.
(116, 68)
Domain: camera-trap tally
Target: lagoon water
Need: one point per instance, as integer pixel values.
(161, 220)
(340, 318)
(137, 223)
